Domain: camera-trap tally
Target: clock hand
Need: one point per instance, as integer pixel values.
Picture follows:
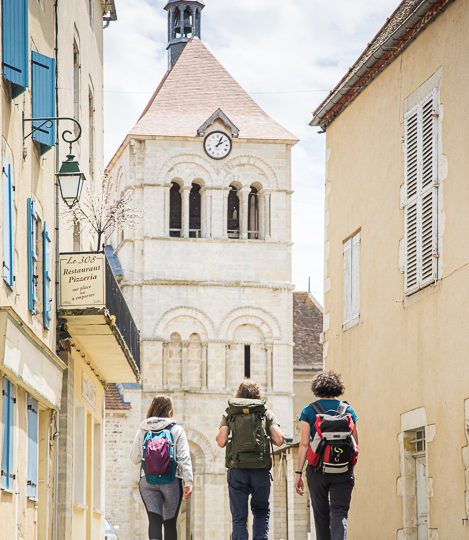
(220, 140)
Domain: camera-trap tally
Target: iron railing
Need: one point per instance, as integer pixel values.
(117, 307)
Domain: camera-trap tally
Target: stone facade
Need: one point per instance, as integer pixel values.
(211, 308)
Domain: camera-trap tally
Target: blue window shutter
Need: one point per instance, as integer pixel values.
(5, 473)
(46, 282)
(33, 429)
(7, 189)
(32, 257)
(8, 400)
(43, 89)
(15, 41)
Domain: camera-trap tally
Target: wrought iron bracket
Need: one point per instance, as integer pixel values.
(67, 135)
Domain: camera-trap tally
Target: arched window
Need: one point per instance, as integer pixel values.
(253, 215)
(177, 23)
(188, 22)
(233, 213)
(175, 210)
(195, 212)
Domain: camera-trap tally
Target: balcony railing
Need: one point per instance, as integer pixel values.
(118, 308)
(96, 313)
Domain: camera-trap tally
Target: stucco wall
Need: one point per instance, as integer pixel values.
(406, 352)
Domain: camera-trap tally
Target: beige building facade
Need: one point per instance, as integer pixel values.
(53, 369)
(396, 270)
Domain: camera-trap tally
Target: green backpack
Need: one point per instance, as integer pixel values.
(249, 445)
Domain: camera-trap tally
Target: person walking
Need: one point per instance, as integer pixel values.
(247, 430)
(331, 458)
(161, 448)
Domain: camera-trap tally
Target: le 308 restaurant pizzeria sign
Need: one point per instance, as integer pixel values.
(82, 280)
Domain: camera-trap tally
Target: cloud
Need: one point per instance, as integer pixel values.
(288, 55)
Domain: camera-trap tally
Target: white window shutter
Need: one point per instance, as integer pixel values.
(421, 204)
(411, 248)
(347, 281)
(355, 278)
(429, 193)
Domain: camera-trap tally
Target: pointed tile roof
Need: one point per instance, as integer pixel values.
(193, 90)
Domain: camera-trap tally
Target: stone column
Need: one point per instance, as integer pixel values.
(164, 360)
(167, 209)
(170, 23)
(204, 213)
(185, 197)
(267, 210)
(227, 364)
(269, 366)
(204, 365)
(261, 217)
(193, 11)
(243, 195)
(184, 365)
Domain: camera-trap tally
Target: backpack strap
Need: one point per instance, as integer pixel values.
(318, 408)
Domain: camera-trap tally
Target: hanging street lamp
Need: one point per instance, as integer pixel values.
(70, 180)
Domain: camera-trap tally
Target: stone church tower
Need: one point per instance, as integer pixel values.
(207, 272)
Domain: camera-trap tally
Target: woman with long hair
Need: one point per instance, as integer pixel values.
(330, 492)
(162, 494)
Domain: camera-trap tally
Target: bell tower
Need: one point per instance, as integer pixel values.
(184, 22)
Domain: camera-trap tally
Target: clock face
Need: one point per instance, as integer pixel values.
(217, 144)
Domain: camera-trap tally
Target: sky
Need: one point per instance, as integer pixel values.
(287, 54)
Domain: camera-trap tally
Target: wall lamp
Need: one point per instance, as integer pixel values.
(69, 176)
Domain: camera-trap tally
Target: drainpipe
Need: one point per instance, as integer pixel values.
(57, 251)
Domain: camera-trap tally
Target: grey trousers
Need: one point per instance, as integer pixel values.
(330, 499)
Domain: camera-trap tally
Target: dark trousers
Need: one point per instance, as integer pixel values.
(330, 499)
(241, 484)
(156, 525)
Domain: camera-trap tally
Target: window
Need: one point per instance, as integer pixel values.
(15, 42)
(247, 361)
(175, 210)
(8, 403)
(97, 467)
(421, 195)
(8, 220)
(351, 281)
(195, 212)
(253, 216)
(233, 213)
(79, 454)
(33, 430)
(43, 90)
(76, 81)
(46, 277)
(417, 444)
(177, 23)
(33, 277)
(188, 22)
(91, 131)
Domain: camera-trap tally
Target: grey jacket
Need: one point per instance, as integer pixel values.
(181, 446)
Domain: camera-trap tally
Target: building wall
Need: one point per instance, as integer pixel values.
(199, 301)
(27, 359)
(404, 363)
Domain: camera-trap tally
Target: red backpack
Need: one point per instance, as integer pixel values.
(333, 448)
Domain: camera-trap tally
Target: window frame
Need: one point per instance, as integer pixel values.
(8, 477)
(351, 280)
(33, 276)
(420, 196)
(8, 225)
(32, 478)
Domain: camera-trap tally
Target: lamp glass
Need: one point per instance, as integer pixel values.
(70, 181)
